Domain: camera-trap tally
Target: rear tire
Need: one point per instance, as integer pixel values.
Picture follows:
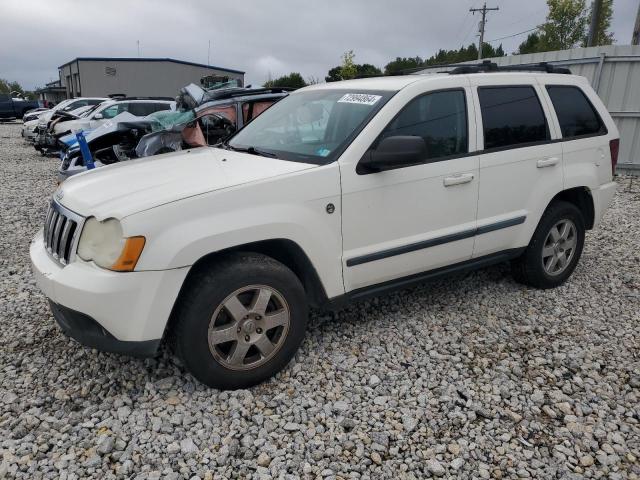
(554, 249)
(240, 321)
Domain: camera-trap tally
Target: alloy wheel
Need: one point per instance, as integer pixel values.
(249, 327)
(559, 247)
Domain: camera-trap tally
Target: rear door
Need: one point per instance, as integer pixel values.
(520, 161)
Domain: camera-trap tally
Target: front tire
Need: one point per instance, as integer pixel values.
(240, 321)
(554, 250)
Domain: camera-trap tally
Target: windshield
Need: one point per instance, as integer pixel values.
(312, 127)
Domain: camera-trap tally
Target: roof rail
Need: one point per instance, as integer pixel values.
(241, 92)
(489, 66)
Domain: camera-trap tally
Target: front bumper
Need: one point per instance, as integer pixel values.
(90, 333)
(110, 311)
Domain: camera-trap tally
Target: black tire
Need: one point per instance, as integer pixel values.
(529, 269)
(204, 295)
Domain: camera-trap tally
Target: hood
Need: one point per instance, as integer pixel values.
(125, 188)
(109, 126)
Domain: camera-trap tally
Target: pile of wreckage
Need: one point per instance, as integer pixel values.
(92, 132)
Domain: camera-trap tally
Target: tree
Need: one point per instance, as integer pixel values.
(367, 70)
(401, 63)
(530, 45)
(604, 37)
(293, 80)
(565, 25)
(7, 87)
(348, 68)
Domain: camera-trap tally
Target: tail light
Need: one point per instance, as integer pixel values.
(614, 147)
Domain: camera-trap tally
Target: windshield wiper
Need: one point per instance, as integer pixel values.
(251, 150)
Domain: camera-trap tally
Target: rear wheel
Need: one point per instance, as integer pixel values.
(241, 321)
(555, 248)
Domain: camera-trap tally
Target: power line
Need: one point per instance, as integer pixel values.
(483, 24)
(514, 35)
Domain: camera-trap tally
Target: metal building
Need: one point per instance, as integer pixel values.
(614, 72)
(157, 77)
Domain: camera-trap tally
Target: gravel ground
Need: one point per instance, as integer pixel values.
(472, 377)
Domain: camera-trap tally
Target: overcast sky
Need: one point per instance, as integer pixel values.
(260, 37)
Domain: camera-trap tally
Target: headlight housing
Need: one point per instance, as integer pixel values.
(104, 244)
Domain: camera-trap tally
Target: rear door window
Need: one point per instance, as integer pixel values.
(512, 116)
(576, 114)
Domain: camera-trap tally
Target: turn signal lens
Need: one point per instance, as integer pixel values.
(130, 254)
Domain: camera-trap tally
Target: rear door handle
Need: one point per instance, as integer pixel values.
(548, 162)
(458, 179)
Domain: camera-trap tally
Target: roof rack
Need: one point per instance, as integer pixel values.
(241, 92)
(489, 66)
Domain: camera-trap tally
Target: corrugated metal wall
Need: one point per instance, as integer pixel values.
(614, 72)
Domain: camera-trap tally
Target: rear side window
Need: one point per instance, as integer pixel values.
(575, 113)
(440, 118)
(511, 116)
(144, 109)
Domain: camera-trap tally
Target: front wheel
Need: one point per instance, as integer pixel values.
(555, 248)
(240, 321)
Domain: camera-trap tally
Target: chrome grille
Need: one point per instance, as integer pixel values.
(61, 231)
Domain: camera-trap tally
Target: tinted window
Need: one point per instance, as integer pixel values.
(440, 118)
(575, 113)
(511, 116)
(4, 97)
(144, 109)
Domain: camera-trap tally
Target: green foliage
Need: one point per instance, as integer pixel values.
(8, 87)
(348, 68)
(401, 63)
(530, 45)
(293, 80)
(565, 26)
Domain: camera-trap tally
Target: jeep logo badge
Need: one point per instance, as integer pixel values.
(59, 195)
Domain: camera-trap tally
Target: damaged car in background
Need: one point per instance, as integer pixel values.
(34, 122)
(63, 123)
(203, 117)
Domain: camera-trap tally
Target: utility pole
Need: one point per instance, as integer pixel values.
(483, 23)
(635, 39)
(596, 8)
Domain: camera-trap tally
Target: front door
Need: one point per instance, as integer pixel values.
(405, 221)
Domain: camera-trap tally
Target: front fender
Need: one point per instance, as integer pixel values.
(291, 207)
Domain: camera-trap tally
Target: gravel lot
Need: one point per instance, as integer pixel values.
(474, 376)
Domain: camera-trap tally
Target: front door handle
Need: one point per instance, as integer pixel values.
(458, 179)
(548, 162)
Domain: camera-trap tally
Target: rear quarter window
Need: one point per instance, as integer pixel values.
(576, 114)
(512, 116)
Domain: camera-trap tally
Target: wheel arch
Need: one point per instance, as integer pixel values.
(581, 198)
(285, 251)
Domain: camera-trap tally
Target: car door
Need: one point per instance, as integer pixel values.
(520, 162)
(405, 221)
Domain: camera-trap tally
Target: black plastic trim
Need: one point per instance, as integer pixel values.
(88, 332)
(454, 237)
(404, 282)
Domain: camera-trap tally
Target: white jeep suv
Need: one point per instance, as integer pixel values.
(339, 191)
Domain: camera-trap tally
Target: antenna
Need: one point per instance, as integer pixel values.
(209, 54)
(138, 42)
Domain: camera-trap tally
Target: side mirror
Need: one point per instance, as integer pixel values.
(394, 152)
(98, 116)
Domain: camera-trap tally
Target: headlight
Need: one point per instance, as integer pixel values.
(104, 243)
